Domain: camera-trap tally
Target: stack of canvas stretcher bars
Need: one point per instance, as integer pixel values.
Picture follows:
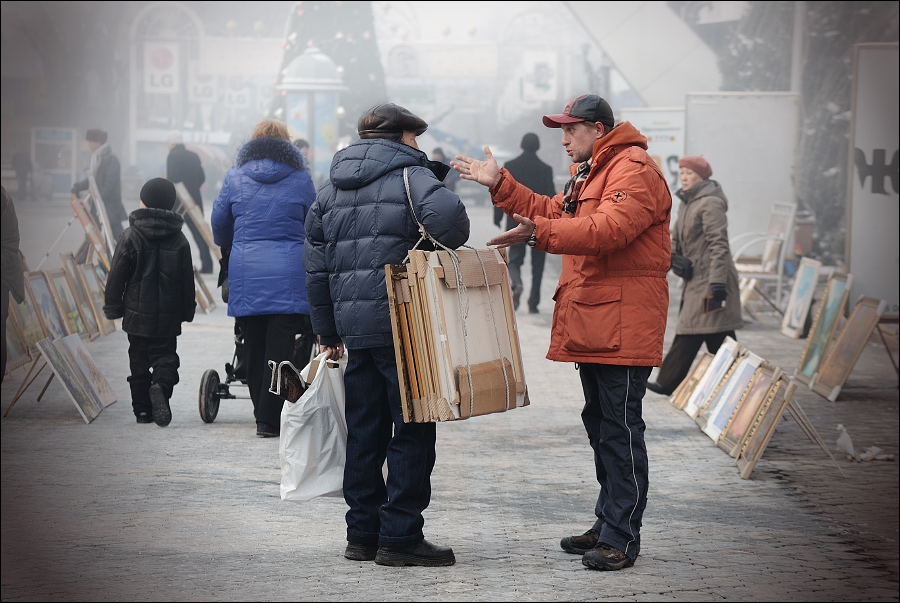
(455, 335)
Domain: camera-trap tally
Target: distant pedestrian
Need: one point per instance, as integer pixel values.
(701, 235)
(452, 177)
(107, 173)
(184, 166)
(529, 170)
(13, 267)
(151, 288)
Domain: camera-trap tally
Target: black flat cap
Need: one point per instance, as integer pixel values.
(389, 121)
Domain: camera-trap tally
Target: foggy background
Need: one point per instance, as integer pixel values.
(478, 72)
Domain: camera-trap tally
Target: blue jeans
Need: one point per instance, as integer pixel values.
(613, 397)
(383, 513)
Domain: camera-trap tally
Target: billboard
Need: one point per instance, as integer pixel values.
(872, 199)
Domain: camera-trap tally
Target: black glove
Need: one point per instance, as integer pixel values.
(718, 291)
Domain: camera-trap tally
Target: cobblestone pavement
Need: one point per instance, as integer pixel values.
(116, 511)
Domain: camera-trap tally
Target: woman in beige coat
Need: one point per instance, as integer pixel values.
(710, 307)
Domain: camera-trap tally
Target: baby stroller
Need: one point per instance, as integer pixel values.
(212, 389)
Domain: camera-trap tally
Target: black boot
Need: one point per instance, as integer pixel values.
(421, 553)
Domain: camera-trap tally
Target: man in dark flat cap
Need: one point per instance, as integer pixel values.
(107, 173)
(359, 222)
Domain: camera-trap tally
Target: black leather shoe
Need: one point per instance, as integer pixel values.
(144, 417)
(653, 386)
(422, 553)
(360, 552)
(579, 545)
(264, 431)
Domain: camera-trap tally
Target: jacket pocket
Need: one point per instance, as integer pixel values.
(594, 320)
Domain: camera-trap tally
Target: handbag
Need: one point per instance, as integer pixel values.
(313, 441)
(682, 266)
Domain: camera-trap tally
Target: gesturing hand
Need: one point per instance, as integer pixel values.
(519, 234)
(483, 172)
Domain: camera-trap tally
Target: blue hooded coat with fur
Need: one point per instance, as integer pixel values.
(260, 213)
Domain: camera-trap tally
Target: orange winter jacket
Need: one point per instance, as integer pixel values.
(613, 296)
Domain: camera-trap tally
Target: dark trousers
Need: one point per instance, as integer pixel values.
(4, 293)
(206, 264)
(516, 260)
(156, 354)
(677, 363)
(612, 418)
(388, 513)
(267, 337)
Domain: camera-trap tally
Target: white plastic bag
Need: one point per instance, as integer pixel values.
(313, 444)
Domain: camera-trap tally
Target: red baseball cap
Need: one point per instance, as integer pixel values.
(587, 107)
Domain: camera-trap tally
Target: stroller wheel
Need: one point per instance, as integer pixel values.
(209, 396)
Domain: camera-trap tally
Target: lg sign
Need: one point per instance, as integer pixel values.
(161, 74)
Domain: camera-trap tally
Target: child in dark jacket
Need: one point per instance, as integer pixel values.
(151, 288)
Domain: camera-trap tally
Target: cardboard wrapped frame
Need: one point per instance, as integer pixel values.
(455, 335)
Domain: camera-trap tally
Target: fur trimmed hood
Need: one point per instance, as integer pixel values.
(279, 151)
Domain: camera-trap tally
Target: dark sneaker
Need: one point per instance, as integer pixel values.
(606, 557)
(579, 545)
(265, 431)
(162, 414)
(144, 417)
(422, 553)
(360, 552)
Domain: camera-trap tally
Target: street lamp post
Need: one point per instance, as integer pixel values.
(310, 86)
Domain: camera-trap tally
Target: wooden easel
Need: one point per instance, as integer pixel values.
(26, 383)
(810, 431)
(889, 319)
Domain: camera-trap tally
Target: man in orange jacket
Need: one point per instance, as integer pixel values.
(611, 225)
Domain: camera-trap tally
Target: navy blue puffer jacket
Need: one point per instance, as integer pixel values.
(260, 213)
(361, 221)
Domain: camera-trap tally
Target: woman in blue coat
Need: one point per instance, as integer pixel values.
(260, 215)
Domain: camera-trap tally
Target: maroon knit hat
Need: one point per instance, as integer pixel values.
(698, 164)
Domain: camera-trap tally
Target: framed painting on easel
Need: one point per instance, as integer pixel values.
(76, 352)
(726, 402)
(680, 396)
(85, 305)
(72, 381)
(797, 310)
(821, 334)
(207, 302)
(91, 284)
(48, 311)
(100, 211)
(65, 300)
(845, 351)
(709, 382)
(91, 231)
(759, 392)
(192, 212)
(17, 353)
(32, 328)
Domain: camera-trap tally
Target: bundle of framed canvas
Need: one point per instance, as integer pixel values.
(455, 335)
